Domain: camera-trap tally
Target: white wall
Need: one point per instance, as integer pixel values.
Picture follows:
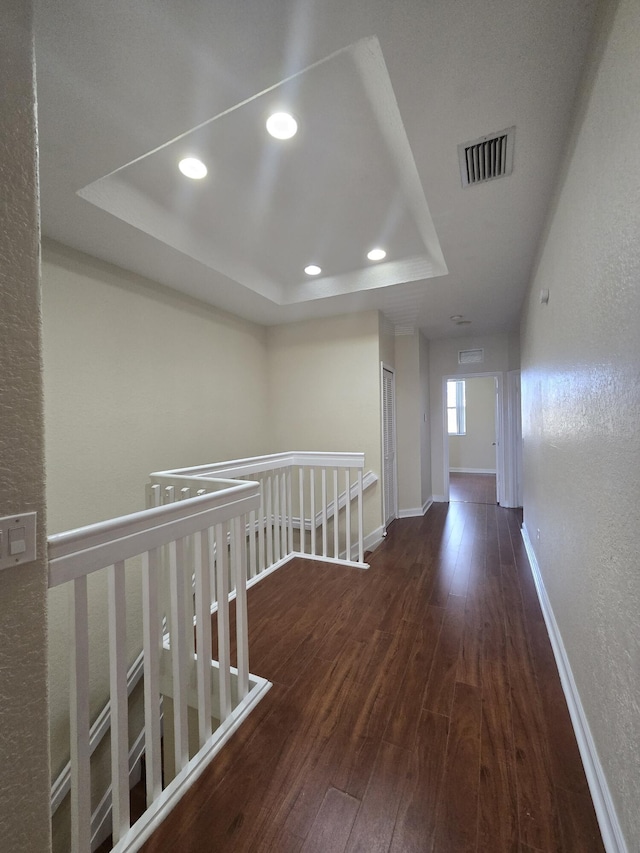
(475, 450)
(499, 357)
(24, 768)
(581, 407)
(325, 391)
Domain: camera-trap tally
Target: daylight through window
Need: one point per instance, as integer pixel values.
(456, 420)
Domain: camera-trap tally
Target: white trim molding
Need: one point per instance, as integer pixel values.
(416, 512)
(472, 470)
(610, 828)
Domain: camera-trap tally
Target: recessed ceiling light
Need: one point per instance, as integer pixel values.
(282, 125)
(313, 269)
(455, 317)
(191, 167)
(376, 254)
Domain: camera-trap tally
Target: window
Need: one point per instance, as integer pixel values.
(456, 420)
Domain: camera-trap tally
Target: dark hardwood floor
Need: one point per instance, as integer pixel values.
(415, 707)
(472, 488)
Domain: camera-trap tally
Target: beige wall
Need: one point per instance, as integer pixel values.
(581, 407)
(425, 420)
(499, 356)
(325, 391)
(408, 411)
(137, 379)
(24, 764)
(475, 451)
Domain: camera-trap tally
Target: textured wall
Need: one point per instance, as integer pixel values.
(581, 406)
(24, 758)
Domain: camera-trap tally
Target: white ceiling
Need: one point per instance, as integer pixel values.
(383, 91)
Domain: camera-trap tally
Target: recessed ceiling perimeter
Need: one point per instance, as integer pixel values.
(268, 208)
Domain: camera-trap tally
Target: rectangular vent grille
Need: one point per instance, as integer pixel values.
(470, 356)
(487, 158)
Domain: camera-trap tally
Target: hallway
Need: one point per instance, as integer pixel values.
(415, 706)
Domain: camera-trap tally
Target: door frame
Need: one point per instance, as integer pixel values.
(394, 514)
(500, 448)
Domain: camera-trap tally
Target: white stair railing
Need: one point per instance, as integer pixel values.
(189, 533)
(209, 532)
(311, 504)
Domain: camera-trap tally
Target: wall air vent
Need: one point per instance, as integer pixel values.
(470, 356)
(487, 158)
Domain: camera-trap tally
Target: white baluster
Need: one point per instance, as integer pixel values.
(347, 518)
(277, 522)
(283, 513)
(240, 568)
(302, 524)
(312, 507)
(324, 512)
(179, 652)
(336, 515)
(203, 634)
(152, 642)
(289, 513)
(119, 701)
(269, 524)
(79, 720)
(224, 651)
(360, 520)
(252, 543)
(261, 527)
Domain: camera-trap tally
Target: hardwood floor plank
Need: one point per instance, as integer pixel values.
(416, 819)
(332, 826)
(404, 719)
(440, 687)
(578, 823)
(373, 828)
(457, 815)
(537, 810)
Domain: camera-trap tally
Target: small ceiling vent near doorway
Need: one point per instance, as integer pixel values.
(470, 356)
(487, 158)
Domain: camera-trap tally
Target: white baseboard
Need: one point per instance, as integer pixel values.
(612, 836)
(440, 499)
(472, 470)
(415, 512)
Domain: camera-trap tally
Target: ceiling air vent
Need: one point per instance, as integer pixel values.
(470, 356)
(487, 158)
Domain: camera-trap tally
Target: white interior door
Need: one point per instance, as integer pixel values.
(389, 446)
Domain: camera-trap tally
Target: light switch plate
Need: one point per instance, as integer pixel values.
(15, 529)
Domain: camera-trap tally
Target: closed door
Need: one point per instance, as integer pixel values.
(389, 446)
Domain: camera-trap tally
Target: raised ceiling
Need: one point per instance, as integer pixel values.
(383, 93)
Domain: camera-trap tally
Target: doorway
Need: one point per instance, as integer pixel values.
(472, 445)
